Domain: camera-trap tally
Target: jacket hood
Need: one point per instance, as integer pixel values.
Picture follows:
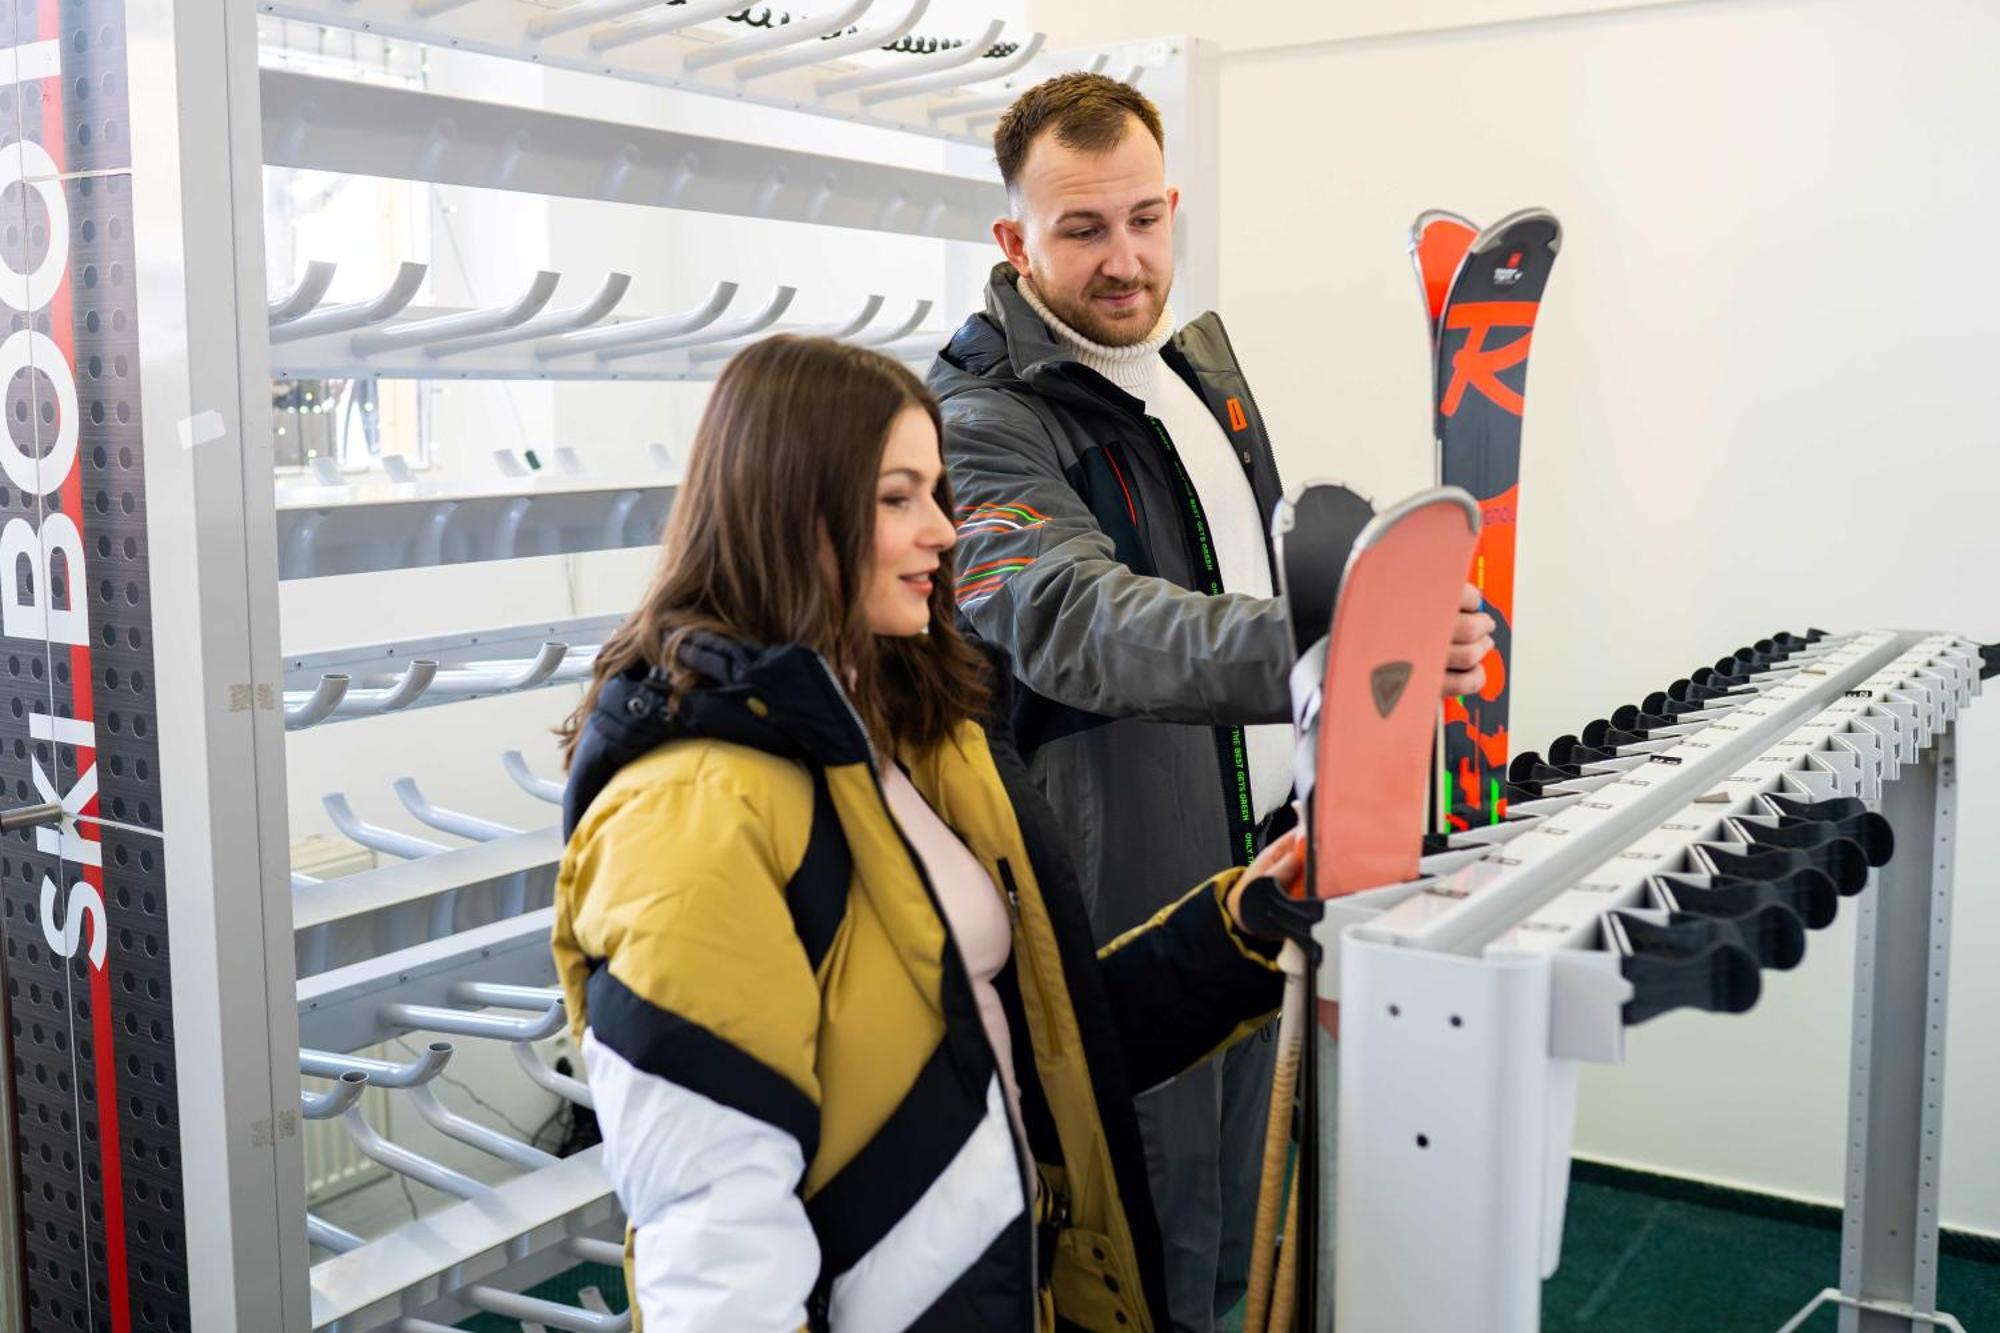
(782, 700)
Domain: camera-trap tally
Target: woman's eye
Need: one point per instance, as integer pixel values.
(896, 501)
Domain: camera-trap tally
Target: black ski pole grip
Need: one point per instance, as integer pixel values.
(1270, 913)
(1679, 967)
(1808, 893)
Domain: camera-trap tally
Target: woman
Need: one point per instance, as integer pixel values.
(856, 1061)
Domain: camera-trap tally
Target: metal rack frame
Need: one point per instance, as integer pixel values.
(804, 66)
(1470, 997)
(191, 821)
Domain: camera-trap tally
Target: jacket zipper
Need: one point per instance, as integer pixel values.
(1024, 1169)
(1016, 1134)
(1050, 1034)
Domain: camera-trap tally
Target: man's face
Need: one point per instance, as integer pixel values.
(1094, 232)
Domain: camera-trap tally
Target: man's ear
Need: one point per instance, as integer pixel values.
(1173, 201)
(1013, 240)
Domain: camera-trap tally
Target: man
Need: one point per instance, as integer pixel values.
(1115, 487)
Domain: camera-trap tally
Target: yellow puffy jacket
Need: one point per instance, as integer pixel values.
(800, 1106)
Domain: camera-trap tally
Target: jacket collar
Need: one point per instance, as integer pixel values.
(782, 700)
(1011, 341)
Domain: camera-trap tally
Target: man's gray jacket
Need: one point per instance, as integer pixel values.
(1084, 552)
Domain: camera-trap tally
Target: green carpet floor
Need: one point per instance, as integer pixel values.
(1636, 1262)
(1642, 1261)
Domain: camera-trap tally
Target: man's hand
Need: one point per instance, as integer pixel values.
(1471, 640)
(1284, 860)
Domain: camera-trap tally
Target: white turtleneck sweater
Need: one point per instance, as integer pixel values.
(1230, 506)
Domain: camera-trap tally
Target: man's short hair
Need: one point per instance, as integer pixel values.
(1088, 112)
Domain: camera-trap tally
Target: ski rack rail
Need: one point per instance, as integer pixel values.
(363, 916)
(804, 64)
(321, 686)
(365, 527)
(337, 125)
(1469, 998)
(385, 337)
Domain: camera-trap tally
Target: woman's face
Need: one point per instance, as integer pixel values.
(911, 532)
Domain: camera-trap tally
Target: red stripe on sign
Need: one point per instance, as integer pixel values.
(103, 1049)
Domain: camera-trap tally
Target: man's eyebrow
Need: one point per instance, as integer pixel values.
(1093, 215)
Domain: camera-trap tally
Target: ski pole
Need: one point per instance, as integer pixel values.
(1284, 1296)
(1277, 1137)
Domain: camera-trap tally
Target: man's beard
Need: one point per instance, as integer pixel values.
(1082, 314)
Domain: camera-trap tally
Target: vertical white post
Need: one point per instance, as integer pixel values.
(1444, 1086)
(1889, 1236)
(202, 350)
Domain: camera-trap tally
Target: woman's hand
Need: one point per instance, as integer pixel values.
(1283, 860)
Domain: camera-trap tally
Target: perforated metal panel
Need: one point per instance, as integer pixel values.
(83, 912)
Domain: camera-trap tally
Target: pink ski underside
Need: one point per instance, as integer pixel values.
(1378, 707)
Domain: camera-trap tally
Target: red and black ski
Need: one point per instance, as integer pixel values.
(1482, 322)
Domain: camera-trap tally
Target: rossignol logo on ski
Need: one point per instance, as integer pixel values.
(1508, 273)
(1478, 366)
(1386, 685)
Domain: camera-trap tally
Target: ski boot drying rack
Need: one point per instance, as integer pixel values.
(1471, 997)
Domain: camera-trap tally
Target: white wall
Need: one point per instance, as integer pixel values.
(1762, 397)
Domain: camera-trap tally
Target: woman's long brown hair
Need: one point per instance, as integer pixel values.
(790, 448)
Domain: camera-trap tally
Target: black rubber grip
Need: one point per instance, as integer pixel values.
(1570, 750)
(1680, 967)
(1842, 859)
(1868, 830)
(1771, 933)
(1809, 894)
(1836, 809)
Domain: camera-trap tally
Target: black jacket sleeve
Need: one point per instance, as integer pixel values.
(1187, 984)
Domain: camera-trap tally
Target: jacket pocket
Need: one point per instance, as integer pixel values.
(1088, 1292)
